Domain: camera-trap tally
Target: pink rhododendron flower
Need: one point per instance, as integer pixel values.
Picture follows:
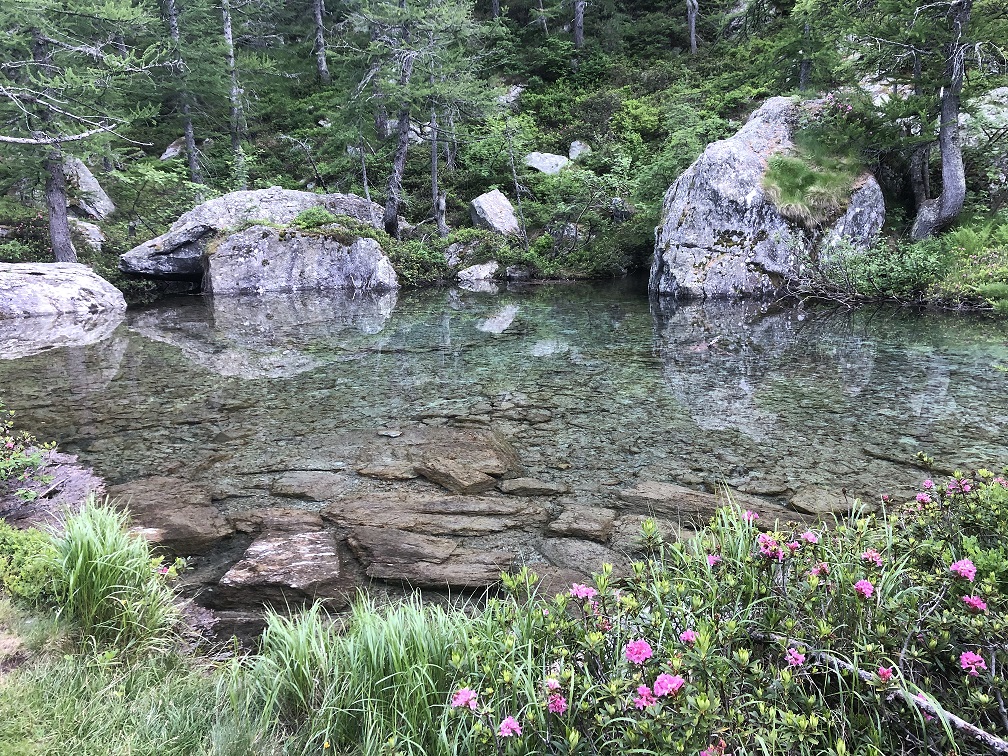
(794, 657)
(769, 547)
(964, 568)
(464, 697)
(871, 555)
(959, 486)
(819, 570)
(688, 636)
(552, 683)
(865, 588)
(924, 498)
(668, 684)
(1003, 482)
(509, 727)
(972, 663)
(750, 516)
(928, 484)
(638, 651)
(644, 697)
(715, 750)
(975, 604)
(885, 674)
(557, 704)
(793, 546)
(809, 537)
(578, 590)
(713, 559)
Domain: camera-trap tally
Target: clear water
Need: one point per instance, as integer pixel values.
(594, 385)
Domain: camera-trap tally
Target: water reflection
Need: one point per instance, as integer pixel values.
(269, 336)
(24, 337)
(596, 387)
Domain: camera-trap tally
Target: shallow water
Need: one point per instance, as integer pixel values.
(595, 386)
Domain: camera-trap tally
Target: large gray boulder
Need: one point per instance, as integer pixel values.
(722, 236)
(90, 199)
(263, 259)
(30, 290)
(179, 254)
(494, 212)
(547, 162)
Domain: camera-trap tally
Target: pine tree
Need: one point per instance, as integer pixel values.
(63, 68)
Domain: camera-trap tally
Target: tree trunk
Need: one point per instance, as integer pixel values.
(692, 9)
(318, 6)
(542, 17)
(938, 214)
(56, 201)
(364, 179)
(187, 125)
(437, 198)
(805, 67)
(495, 8)
(579, 11)
(240, 179)
(394, 198)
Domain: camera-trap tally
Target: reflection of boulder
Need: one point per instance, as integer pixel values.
(25, 337)
(263, 336)
(49, 305)
(719, 356)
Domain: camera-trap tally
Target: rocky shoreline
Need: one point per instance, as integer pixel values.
(438, 509)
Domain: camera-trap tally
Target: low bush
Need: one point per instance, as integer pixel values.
(28, 568)
(878, 634)
(20, 454)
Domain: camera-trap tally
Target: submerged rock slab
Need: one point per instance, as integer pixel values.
(695, 508)
(455, 476)
(287, 567)
(173, 514)
(436, 514)
(426, 561)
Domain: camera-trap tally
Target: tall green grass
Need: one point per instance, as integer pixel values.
(109, 584)
(389, 675)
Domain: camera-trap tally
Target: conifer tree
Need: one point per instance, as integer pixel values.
(63, 69)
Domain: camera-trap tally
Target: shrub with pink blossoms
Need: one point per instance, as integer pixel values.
(975, 604)
(509, 728)
(972, 663)
(964, 568)
(638, 651)
(865, 588)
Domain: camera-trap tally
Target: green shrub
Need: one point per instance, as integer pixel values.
(28, 567)
(110, 586)
(314, 217)
(20, 454)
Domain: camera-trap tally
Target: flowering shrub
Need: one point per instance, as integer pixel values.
(871, 635)
(20, 454)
